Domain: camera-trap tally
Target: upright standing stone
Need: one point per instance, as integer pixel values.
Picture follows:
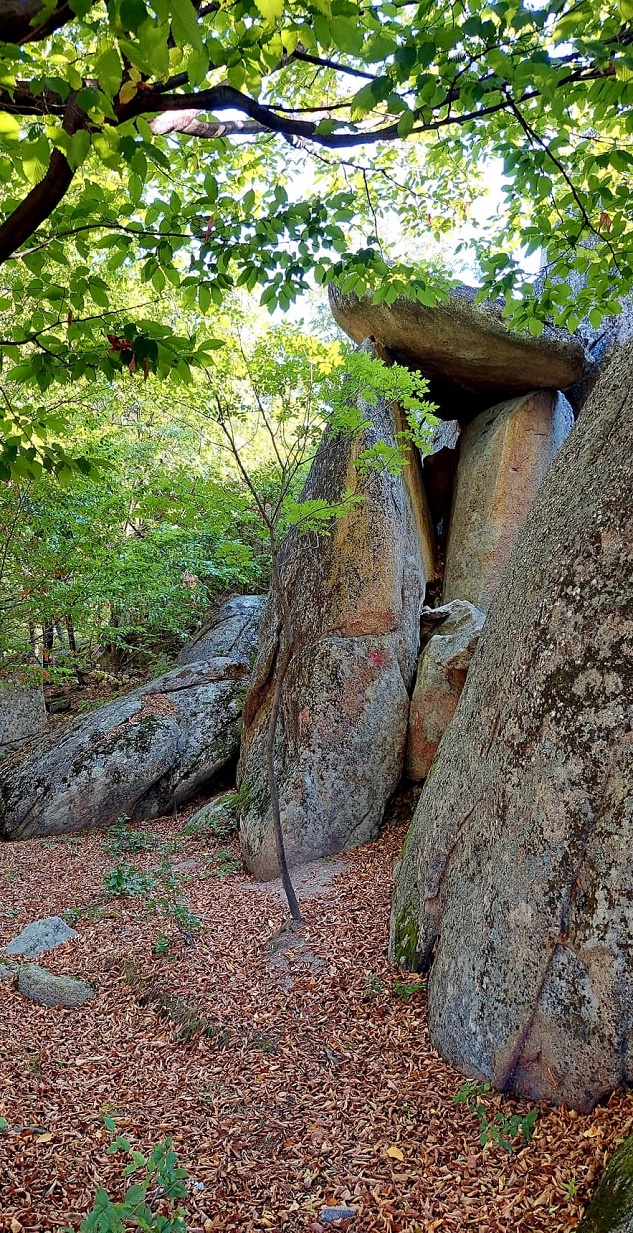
(440, 678)
(516, 880)
(505, 453)
(355, 596)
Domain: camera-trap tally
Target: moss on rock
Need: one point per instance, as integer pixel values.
(611, 1209)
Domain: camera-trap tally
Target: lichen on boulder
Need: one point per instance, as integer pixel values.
(516, 877)
(356, 595)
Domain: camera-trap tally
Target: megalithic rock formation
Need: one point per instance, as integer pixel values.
(356, 595)
(504, 456)
(516, 881)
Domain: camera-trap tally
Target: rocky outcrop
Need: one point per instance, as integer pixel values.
(454, 633)
(515, 880)
(141, 755)
(233, 632)
(468, 346)
(504, 456)
(611, 1209)
(355, 596)
(22, 714)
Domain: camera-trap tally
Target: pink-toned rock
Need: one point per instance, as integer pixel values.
(516, 879)
(356, 596)
(504, 456)
(441, 676)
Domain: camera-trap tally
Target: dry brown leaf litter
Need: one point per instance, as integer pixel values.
(327, 1091)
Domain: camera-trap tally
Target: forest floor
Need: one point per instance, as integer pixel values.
(318, 1085)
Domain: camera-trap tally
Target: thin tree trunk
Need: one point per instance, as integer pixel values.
(48, 635)
(72, 642)
(273, 788)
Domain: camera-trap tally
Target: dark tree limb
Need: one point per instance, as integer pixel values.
(19, 20)
(45, 196)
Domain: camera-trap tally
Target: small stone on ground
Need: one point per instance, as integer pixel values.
(39, 936)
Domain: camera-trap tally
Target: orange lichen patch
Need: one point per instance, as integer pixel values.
(323, 1088)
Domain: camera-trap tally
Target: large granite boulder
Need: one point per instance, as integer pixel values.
(233, 632)
(355, 596)
(504, 456)
(468, 346)
(141, 755)
(22, 714)
(452, 633)
(516, 880)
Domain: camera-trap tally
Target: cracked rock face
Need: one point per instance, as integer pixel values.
(355, 597)
(516, 881)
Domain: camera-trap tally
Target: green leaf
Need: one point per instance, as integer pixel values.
(184, 23)
(405, 123)
(271, 10)
(110, 72)
(78, 148)
(35, 159)
(347, 34)
(132, 14)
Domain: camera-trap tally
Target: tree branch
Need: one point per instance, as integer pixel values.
(19, 24)
(42, 199)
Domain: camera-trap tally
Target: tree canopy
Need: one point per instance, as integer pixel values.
(153, 146)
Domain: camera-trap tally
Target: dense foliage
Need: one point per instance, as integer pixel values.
(204, 145)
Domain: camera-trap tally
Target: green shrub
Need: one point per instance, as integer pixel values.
(122, 840)
(128, 880)
(150, 1203)
(498, 1128)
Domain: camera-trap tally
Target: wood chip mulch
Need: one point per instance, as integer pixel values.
(319, 1087)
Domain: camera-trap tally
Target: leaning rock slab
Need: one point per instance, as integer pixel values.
(355, 596)
(40, 936)
(504, 457)
(233, 632)
(441, 676)
(516, 880)
(466, 345)
(611, 1209)
(39, 985)
(141, 755)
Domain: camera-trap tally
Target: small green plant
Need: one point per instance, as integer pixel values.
(373, 986)
(4, 1125)
(570, 1188)
(151, 1201)
(128, 880)
(225, 865)
(184, 917)
(407, 989)
(162, 945)
(498, 1128)
(267, 1044)
(71, 916)
(122, 840)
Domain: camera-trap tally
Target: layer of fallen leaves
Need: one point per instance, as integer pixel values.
(321, 1087)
